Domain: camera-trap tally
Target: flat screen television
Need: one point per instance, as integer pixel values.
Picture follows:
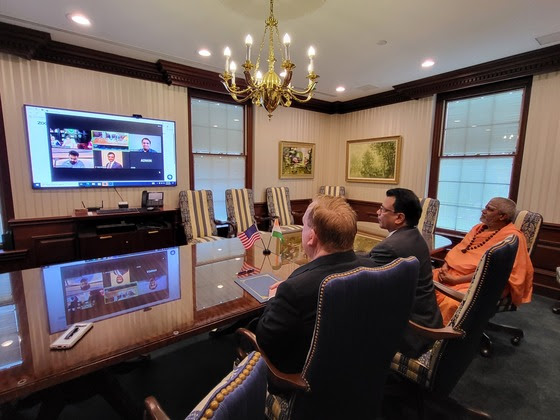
(96, 289)
(70, 149)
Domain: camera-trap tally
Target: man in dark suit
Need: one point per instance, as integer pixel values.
(112, 164)
(285, 329)
(399, 214)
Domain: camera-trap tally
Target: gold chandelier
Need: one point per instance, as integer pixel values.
(270, 89)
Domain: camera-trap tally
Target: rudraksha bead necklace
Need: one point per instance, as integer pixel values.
(480, 230)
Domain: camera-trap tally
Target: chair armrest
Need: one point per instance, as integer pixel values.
(292, 381)
(436, 333)
(448, 291)
(153, 410)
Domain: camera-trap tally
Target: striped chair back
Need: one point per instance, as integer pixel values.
(428, 220)
(240, 208)
(197, 214)
(529, 223)
(336, 191)
(278, 201)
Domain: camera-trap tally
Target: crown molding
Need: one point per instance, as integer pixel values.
(85, 58)
(539, 61)
(23, 42)
(38, 45)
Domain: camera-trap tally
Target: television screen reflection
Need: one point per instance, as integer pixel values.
(92, 290)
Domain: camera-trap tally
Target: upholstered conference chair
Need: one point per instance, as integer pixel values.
(337, 191)
(240, 395)
(278, 202)
(240, 209)
(197, 215)
(361, 316)
(426, 224)
(436, 372)
(529, 223)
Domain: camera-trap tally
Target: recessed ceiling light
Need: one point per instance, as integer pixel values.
(428, 63)
(340, 89)
(7, 343)
(381, 42)
(79, 19)
(204, 52)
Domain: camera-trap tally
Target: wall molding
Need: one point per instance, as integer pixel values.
(38, 45)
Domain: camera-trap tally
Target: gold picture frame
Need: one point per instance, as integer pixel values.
(296, 160)
(374, 160)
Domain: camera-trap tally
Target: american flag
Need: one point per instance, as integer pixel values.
(250, 236)
(248, 270)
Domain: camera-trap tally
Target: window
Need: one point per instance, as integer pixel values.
(219, 153)
(477, 150)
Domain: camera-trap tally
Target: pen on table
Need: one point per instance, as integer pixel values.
(71, 333)
(250, 270)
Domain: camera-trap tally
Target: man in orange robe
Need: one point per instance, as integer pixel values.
(462, 260)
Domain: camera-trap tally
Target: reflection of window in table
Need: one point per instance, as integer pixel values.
(9, 331)
(477, 151)
(219, 147)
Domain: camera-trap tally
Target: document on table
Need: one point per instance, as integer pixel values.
(259, 286)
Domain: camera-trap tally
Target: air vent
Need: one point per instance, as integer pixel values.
(549, 39)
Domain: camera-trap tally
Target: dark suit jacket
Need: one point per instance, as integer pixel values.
(285, 329)
(408, 242)
(116, 165)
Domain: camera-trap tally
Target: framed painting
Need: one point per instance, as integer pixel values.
(374, 160)
(297, 160)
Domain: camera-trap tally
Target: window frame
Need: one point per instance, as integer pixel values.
(247, 128)
(439, 126)
(6, 199)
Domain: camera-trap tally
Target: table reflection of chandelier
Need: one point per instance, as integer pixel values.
(270, 89)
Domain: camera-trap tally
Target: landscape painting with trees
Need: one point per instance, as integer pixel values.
(373, 160)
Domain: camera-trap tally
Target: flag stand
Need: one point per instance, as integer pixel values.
(266, 251)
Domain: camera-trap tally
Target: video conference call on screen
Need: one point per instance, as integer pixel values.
(89, 150)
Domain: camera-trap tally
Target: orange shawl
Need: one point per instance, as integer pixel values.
(520, 284)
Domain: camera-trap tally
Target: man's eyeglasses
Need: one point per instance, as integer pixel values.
(384, 210)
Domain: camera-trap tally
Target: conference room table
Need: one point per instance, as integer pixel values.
(137, 302)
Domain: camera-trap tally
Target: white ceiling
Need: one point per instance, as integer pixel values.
(454, 33)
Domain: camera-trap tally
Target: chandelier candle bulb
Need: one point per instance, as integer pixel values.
(248, 43)
(232, 68)
(227, 54)
(286, 42)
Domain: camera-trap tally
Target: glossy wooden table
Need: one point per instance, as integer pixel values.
(290, 248)
(186, 291)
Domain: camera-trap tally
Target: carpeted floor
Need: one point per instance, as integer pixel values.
(515, 383)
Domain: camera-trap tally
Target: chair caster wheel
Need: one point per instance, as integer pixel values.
(485, 352)
(516, 341)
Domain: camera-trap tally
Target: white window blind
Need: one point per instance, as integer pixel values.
(480, 140)
(218, 147)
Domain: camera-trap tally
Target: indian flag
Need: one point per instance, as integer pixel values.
(276, 232)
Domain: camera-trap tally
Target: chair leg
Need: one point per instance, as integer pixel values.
(517, 333)
(485, 345)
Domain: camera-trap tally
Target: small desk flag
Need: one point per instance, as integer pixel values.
(250, 236)
(276, 232)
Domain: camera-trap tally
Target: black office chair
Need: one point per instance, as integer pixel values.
(361, 316)
(431, 377)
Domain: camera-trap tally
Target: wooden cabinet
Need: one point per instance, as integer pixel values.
(59, 239)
